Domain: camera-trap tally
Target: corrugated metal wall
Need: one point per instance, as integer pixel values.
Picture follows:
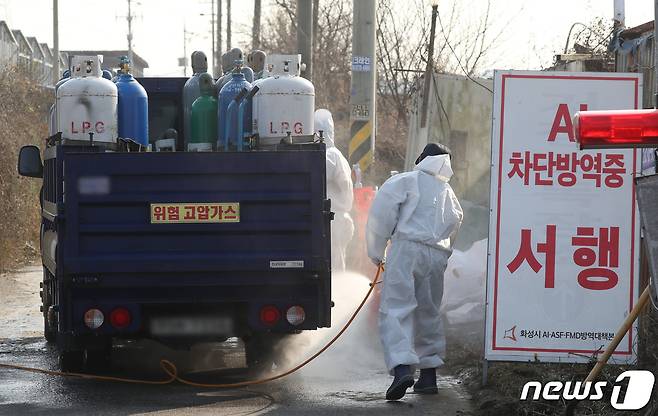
(636, 55)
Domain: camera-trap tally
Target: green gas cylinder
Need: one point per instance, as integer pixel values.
(204, 117)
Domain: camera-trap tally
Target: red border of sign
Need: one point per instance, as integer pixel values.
(500, 172)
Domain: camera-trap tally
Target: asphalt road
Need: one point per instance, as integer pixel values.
(349, 379)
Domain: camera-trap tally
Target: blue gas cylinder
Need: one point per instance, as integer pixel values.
(133, 110)
(228, 92)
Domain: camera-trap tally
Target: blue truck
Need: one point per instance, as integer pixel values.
(180, 247)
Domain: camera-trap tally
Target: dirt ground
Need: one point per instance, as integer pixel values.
(20, 298)
(505, 380)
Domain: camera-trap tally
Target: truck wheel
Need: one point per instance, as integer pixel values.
(263, 350)
(49, 331)
(281, 354)
(97, 360)
(259, 352)
(71, 361)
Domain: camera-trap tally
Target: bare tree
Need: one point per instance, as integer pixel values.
(399, 55)
(279, 31)
(402, 39)
(289, 7)
(592, 37)
(331, 53)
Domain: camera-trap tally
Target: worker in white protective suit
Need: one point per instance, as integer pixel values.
(420, 214)
(339, 190)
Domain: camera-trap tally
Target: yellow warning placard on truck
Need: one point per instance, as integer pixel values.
(206, 212)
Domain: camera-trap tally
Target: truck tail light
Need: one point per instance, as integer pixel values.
(120, 318)
(94, 318)
(269, 315)
(616, 129)
(295, 315)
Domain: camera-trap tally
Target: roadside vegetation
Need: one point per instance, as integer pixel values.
(501, 396)
(23, 114)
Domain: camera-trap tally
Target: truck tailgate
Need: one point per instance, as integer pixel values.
(283, 216)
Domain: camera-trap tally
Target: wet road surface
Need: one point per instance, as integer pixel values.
(348, 379)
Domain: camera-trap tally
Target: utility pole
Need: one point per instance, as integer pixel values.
(228, 25)
(184, 49)
(316, 12)
(255, 30)
(130, 32)
(429, 70)
(217, 64)
(305, 35)
(214, 54)
(55, 41)
(364, 76)
(620, 15)
(212, 23)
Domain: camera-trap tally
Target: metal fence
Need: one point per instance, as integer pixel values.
(27, 53)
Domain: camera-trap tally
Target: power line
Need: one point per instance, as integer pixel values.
(443, 32)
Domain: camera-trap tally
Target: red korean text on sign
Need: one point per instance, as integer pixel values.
(159, 213)
(230, 213)
(605, 247)
(526, 254)
(195, 213)
(216, 212)
(614, 167)
(173, 213)
(199, 212)
(540, 169)
(190, 212)
(202, 212)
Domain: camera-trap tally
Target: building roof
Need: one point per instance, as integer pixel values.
(47, 52)
(21, 40)
(36, 48)
(4, 27)
(112, 57)
(637, 31)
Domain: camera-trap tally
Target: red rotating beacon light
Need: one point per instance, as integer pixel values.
(616, 129)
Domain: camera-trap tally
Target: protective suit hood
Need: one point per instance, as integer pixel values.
(418, 206)
(325, 122)
(437, 166)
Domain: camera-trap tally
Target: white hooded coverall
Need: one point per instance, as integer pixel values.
(419, 212)
(339, 190)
